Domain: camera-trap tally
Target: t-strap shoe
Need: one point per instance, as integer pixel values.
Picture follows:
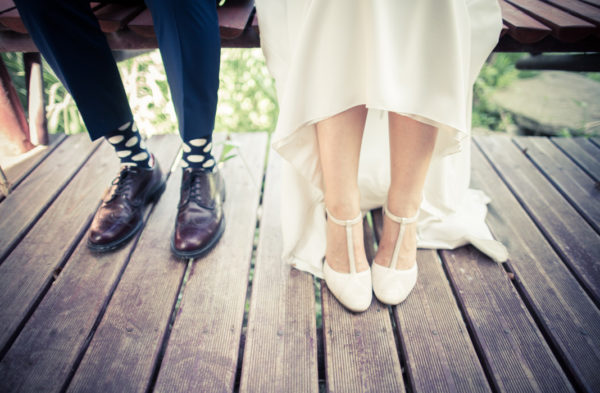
(392, 286)
(352, 289)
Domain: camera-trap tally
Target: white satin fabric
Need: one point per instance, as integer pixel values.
(417, 58)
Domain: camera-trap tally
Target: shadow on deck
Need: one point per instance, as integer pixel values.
(138, 319)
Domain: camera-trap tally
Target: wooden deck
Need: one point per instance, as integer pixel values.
(140, 320)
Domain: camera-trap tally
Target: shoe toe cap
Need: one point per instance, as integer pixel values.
(354, 291)
(393, 286)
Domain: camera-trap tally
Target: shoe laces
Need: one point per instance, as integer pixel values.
(123, 181)
(194, 184)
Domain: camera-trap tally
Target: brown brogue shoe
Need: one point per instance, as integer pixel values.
(120, 215)
(200, 220)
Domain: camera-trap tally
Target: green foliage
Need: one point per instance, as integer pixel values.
(247, 98)
(593, 75)
(14, 64)
(498, 72)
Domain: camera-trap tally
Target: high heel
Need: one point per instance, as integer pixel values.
(392, 286)
(354, 289)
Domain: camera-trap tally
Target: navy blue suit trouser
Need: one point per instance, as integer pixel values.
(69, 37)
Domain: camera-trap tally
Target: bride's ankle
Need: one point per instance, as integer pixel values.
(403, 205)
(346, 210)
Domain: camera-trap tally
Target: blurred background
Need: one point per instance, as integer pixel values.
(248, 103)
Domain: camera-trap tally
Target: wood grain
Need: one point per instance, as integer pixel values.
(562, 308)
(28, 202)
(233, 18)
(583, 152)
(18, 171)
(440, 356)
(123, 351)
(575, 240)
(280, 353)
(113, 17)
(573, 183)
(49, 345)
(6, 5)
(592, 2)
(202, 352)
(521, 26)
(512, 348)
(565, 27)
(29, 268)
(360, 349)
(579, 9)
(12, 21)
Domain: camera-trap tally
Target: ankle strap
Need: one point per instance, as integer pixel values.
(349, 243)
(353, 221)
(400, 220)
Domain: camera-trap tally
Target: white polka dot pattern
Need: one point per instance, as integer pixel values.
(132, 141)
(125, 126)
(115, 139)
(140, 156)
(198, 142)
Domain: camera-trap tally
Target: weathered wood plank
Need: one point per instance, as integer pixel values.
(360, 349)
(49, 345)
(233, 17)
(592, 2)
(20, 167)
(572, 181)
(204, 344)
(521, 26)
(12, 21)
(6, 5)
(565, 27)
(584, 153)
(512, 347)
(280, 354)
(562, 308)
(574, 239)
(124, 349)
(24, 206)
(579, 9)
(440, 356)
(113, 17)
(29, 268)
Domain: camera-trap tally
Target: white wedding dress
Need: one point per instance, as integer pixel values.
(418, 58)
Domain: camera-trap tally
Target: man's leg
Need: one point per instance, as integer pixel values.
(69, 37)
(189, 41)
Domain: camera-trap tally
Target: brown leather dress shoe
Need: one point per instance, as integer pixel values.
(200, 220)
(120, 215)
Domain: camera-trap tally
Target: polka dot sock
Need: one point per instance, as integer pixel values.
(197, 154)
(129, 145)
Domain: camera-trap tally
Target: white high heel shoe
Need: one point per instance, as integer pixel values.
(392, 286)
(354, 289)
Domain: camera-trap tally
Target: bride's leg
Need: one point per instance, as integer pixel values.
(411, 148)
(340, 138)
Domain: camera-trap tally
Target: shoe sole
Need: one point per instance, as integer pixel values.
(202, 251)
(153, 196)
